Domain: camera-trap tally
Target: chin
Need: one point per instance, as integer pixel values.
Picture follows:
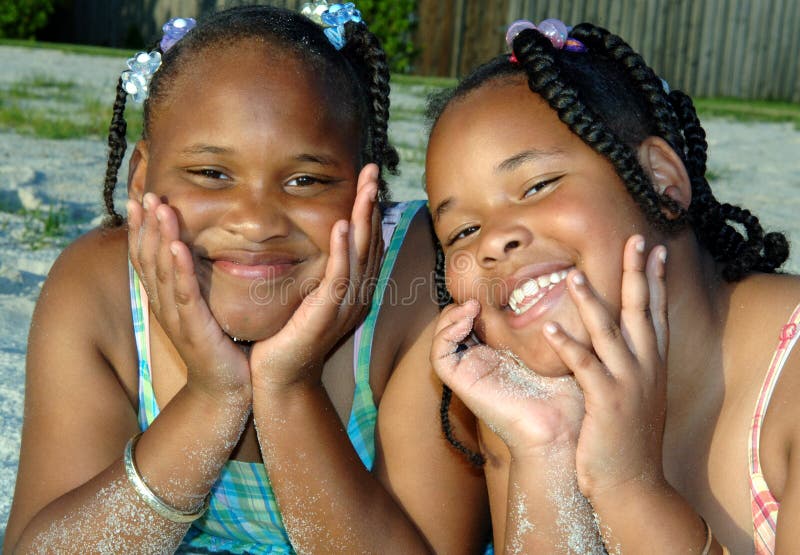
(249, 321)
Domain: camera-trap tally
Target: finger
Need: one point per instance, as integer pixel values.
(657, 281)
(605, 333)
(592, 375)
(452, 328)
(135, 215)
(361, 219)
(149, 240)
(333, 288)
(165, 265)
(635, 320)
(197, 323)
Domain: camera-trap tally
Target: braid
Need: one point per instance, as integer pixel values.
(642, 76)
(739, 256)
(364, 51)
(444, 412)
(443, 298)
(117, 144)
(537, 56)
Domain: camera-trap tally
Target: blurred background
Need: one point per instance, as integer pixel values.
(743, 49)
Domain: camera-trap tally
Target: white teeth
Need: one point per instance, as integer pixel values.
(533, 290)
(530, 288)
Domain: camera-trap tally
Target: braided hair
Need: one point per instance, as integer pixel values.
(356, 78)
(610, 98)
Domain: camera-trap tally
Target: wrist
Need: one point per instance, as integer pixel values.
(237, 398)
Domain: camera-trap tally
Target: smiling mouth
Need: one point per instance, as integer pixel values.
(528, 293)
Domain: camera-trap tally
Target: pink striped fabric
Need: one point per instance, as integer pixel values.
(763, 504)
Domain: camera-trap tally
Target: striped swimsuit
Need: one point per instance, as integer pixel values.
(763, 504)
(243, 514)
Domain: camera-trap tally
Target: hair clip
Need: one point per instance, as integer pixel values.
(314, 10)
(333, 17)
(554, 29)
(174, 30)
(136, 79)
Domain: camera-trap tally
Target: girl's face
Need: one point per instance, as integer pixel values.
(250, 153)
(517, 201)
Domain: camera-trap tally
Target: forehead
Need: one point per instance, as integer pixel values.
(500, 119)
(249, 85)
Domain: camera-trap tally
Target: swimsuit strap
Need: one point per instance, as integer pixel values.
(764, 506)
(361, 427)
(148, 407)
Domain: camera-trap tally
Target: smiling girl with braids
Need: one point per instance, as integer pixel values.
(238, 413)
(568, 193)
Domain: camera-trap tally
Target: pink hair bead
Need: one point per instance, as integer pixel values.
(555, 30)
(515, 29)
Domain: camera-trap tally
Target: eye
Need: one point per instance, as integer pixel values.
(540, 185)
(210, 173)
(461, 234)
(307, 181)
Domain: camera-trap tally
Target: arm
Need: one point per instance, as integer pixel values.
(72, 494)
(528, 431)
(623, 376)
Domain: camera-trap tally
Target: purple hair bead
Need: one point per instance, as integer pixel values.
(555, 30)
(174, 30)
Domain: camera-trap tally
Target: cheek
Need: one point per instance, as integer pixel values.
(316, 219)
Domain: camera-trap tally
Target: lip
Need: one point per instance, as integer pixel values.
(252, 265)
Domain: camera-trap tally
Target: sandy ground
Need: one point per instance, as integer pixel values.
(758, 165)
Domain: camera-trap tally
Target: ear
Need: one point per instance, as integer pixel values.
(666, 170)
(137, 171)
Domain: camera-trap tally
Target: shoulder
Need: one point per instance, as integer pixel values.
(768, 304)
(84, 300)
(409, 298)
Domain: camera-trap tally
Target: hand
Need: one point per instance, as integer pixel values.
(342, 299)
(215, 365)
(532, 414)
(624, 377)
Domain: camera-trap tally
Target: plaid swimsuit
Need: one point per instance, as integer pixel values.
(764, 506)
(243, 515)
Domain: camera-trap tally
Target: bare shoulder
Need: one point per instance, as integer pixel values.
(767, 303)
(407, 304)
(86, 292)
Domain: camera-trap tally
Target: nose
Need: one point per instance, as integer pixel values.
(257, 217)
(499, 240)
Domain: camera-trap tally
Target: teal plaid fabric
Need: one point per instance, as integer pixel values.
(243, 515)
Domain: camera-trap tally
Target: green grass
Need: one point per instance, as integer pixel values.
(70, 48)
(26, 108)
(749, 110)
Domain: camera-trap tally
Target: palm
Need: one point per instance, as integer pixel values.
(509, 397)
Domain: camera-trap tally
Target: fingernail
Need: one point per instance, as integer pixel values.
(343, 228)
(578, 278)
(550, 328)
(662, 255)
(158, 215)
(639, 246)
(373, 194)
(174, 250)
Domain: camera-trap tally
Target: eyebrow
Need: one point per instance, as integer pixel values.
(201, 148)
(443, 207)
(513, 162)
(316, 159)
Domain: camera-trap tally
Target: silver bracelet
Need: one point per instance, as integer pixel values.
(150, 498)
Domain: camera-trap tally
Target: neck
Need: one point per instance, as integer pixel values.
(698, 306)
